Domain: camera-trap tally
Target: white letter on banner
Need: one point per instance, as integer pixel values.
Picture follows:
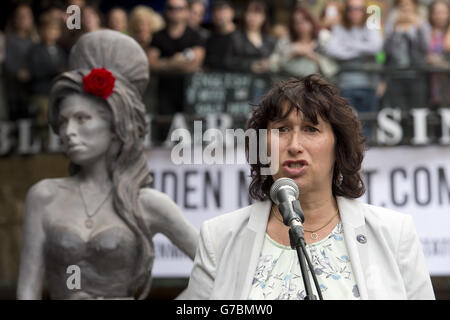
(54, 142)
(26, 143)
(445, 123)
(420, 126)
(148, 137)
(5, 139)
(389, 129)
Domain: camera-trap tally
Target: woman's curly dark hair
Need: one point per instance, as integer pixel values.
(313, 96)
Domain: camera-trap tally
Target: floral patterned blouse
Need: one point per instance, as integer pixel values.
(278, 275)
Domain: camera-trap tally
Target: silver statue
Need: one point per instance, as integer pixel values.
(102, 218)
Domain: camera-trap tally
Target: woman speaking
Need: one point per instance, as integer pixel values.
(358, 251)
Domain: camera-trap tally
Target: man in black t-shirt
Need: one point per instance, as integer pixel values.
(174, 52)
(222, 14)
(197, 10)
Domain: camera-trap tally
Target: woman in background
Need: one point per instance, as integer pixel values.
(45, 61)
(118, 20)
(439, 18)
(407, 37)
(252, 45)
(144, 22)
(299, 54)
(20, 35)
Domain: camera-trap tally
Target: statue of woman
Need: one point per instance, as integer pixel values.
(101, 219)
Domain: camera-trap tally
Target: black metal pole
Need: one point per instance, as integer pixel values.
(296, 238)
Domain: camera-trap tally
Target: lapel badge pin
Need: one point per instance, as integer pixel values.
(361, 238)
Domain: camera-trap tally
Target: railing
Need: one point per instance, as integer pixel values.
(232, 96)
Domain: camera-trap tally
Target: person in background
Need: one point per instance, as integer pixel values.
(354, 46)
(439, 18)
(279, 31)
(80, 3)
(421, 8)
(175, 51)
(118, 20)
(20, 34)
(91, 19)
(45, 61)
(222, 16)
(330, 16)
(140, 26)
(197, 10)
(252, 45)
(56, 12)
(315, 7)
(143, 23)
(3, 110)
(298, 54)
(447, 41)
(406, 45)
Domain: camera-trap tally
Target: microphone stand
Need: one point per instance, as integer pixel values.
(297, 239)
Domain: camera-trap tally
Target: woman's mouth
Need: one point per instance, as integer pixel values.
(295, 167)
(73, 146)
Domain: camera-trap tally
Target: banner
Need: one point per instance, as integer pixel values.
(412, 180)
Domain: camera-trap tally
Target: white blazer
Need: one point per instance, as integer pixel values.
(389, 264)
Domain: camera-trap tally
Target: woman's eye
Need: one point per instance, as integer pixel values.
(311, 129)
(82, 118)
(283, 129)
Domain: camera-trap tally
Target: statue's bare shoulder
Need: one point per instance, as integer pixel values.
(150, 196)
(158, 206)
(46, 192)
(48, 189)
(164, 216)
(43, 191)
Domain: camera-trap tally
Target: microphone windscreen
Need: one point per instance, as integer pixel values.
(283, 183)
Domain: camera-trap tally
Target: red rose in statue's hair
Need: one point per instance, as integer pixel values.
(99, 82)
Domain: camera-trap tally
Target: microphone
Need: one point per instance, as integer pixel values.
(284, 193)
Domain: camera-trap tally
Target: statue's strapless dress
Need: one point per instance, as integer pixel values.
(106, 261)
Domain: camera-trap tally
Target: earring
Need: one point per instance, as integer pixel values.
(340, 178)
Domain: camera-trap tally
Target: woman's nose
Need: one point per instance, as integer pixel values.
(295, 143)
(70, 129)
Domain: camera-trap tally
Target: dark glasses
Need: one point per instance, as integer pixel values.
(356, 8)
(175, 8)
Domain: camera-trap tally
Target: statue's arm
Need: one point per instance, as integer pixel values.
(165, 217)
(32, 263)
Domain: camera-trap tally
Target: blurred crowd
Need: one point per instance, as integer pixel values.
(397, 56)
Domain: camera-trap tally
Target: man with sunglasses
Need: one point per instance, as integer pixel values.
(175, 51)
